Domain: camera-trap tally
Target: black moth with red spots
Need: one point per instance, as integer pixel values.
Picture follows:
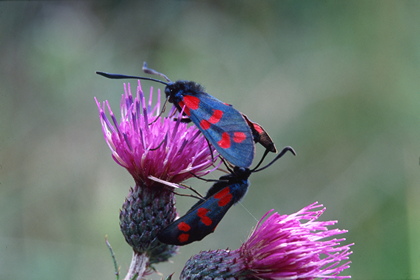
(229, 131)
(205, 215)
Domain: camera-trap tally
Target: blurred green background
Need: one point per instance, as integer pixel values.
(338, 81)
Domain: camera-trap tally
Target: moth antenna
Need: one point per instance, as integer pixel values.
(262, 159)
(148, 70)
(282, 153)
(121, 76)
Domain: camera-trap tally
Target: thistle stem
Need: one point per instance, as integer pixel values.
(137, 267)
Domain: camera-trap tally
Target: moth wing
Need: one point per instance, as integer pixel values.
(224, 127)
(199, 221)
(260, 135)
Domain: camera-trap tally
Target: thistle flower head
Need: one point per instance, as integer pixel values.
(280, 247)
(147, 144)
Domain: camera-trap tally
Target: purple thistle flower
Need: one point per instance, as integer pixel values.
(280, 247)
(166, 149)
(149, 145)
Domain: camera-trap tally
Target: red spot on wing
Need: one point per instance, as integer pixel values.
(205, 124)
(183, 237)
(183, 226)
(186, 109)
(217, 115)
(253, 125)
(225, 141)
(238, 137)
(224, 196)
(202, 212)
(258, 128)
(191, 102)
(215, 118)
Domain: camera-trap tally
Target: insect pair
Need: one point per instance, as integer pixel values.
(232, 134)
